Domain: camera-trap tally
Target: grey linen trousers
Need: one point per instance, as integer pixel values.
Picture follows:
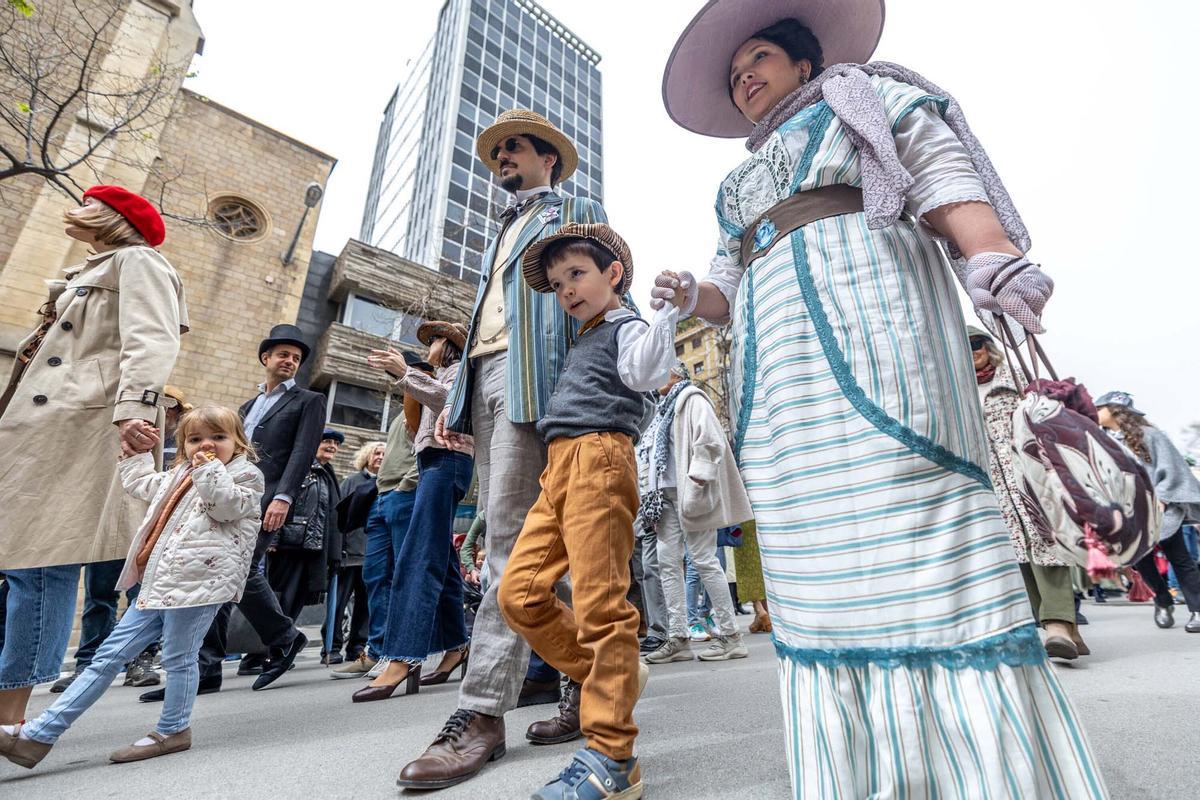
(509, 459)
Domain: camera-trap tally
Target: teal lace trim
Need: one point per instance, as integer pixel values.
(858, 398)
(816, 135)
(749, 369)
(1013, 648)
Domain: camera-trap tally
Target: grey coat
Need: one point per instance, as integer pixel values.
(1174, 484)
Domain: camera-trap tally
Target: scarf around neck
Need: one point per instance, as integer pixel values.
(885, 182)
(986, 374)
(657, 452)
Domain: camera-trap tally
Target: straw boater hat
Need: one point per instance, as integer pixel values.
(176, 394)
(522, 122)
(696, 82)
(453, 331)
(531, 262)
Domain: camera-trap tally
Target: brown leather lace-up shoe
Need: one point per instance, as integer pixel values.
(565, 726)
(466, 744)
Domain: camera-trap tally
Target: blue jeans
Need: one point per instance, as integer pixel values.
(386, 525)
(425, 614)
(39, 613)
(182, 630)
(539, 670)
(699, 605)
(100, 599)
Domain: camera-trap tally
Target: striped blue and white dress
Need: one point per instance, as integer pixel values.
(910, 667)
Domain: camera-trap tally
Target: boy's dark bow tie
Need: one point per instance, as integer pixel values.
(513, 210)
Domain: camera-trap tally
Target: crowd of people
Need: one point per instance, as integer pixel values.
(865, 480)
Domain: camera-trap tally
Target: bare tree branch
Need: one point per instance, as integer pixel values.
(67, 103)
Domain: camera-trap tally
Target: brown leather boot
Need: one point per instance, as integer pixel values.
(468, 741)
(565, 726)
(22, 752)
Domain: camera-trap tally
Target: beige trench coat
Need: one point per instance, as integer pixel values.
(105, 359)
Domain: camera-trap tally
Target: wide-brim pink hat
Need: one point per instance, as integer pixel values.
(696, 81)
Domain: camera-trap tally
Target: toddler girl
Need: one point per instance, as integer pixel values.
(191, 555)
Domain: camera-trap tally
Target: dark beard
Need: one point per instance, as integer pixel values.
(511, 183)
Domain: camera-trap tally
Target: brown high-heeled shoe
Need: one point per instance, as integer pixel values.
(438, 677)
(411, 681)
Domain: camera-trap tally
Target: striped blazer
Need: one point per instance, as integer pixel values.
(539, 332)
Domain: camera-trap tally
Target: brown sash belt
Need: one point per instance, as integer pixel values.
(794, 212)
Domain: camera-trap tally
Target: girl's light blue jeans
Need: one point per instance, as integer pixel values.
(182, 631)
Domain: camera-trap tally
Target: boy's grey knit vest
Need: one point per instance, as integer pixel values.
(590, 396)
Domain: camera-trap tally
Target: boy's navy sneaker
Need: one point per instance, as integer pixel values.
(594, 776)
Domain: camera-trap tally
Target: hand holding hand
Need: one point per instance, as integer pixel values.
(137, 436)
(473, 577)
(1000, 283)
(680, 289)
(390, 360)
(276, 515)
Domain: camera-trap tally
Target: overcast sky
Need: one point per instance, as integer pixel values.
(1085, 107)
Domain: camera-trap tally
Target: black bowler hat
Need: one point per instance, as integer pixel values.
(284, 334)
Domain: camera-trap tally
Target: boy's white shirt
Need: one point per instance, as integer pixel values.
(645, 353)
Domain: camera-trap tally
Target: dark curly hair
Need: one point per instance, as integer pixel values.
(794, 38)
(1132, 426)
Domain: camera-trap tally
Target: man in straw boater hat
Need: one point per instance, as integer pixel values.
(909, 664)
(516, 348)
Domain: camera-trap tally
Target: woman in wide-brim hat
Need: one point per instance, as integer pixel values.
(909, 662)
(425, 609)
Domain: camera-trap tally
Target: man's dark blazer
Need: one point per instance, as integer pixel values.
(287, 439)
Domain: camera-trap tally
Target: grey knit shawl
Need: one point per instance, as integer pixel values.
(885, 182)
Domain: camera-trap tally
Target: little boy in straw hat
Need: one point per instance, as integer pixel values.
(582, 521)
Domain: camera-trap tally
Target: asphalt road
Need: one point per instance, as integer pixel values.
(708, 731)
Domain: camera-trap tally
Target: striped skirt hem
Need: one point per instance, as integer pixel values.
(933, 724)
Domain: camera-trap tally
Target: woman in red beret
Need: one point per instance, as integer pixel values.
(86, 387)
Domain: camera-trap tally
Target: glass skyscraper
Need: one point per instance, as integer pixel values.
(430, 199)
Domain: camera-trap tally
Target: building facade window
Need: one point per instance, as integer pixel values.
(368, 316)
(356, 406)
(237, 218)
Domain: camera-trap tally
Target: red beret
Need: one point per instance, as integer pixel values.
(135, 209)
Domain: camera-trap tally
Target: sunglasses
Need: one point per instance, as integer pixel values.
(978, 342)
(510, 145)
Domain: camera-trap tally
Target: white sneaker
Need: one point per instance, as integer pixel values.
(698, 633)
(673, 650)
(724, 648)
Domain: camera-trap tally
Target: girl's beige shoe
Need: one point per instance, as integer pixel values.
(163, 745)
(22, 752)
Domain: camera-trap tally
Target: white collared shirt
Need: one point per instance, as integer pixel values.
(262, 404)
(645, 354)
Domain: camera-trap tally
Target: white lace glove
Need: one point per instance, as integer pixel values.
(668, 283)
(1001, 283)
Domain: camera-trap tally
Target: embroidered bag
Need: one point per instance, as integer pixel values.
(1083, 489)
